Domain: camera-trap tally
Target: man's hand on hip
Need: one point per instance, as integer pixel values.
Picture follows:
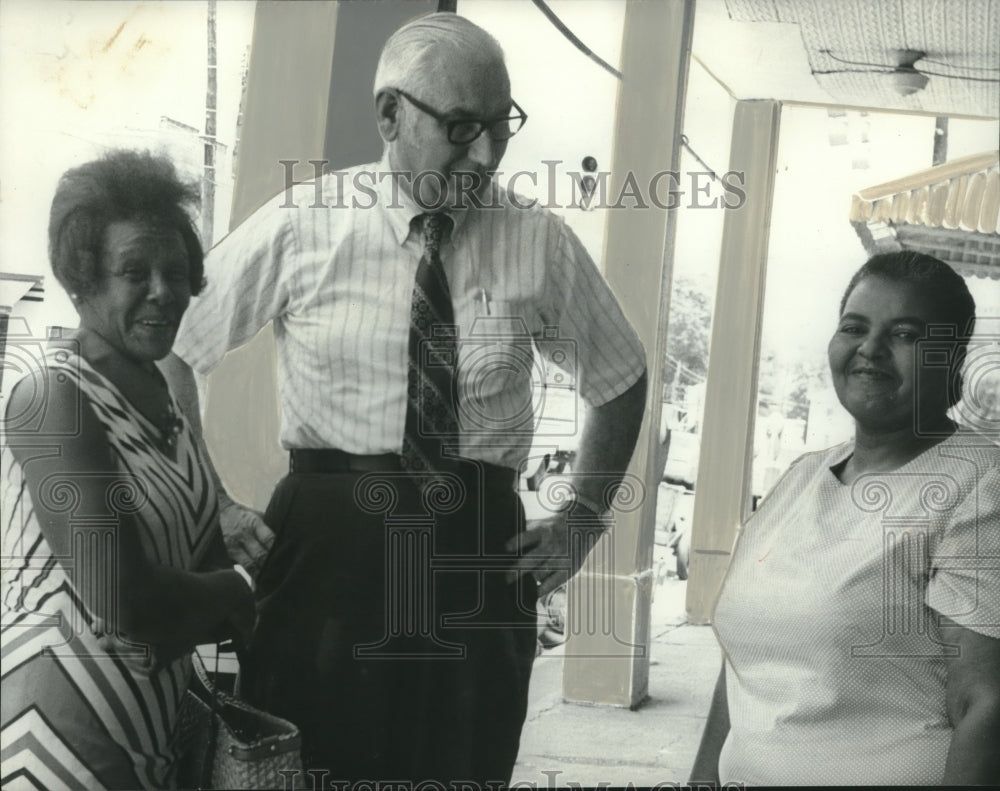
(553, 549)
(248, 538)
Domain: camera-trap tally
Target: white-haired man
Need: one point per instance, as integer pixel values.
(396, 607)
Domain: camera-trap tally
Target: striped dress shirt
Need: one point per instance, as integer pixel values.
(332, 263)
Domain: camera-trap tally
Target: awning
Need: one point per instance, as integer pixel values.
(951, 211)
(15, 287)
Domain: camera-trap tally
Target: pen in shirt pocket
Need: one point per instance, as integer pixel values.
(484, 297)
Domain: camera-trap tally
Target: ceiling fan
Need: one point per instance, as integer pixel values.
(906, 77)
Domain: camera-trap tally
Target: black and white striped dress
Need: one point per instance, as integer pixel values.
(77, 713)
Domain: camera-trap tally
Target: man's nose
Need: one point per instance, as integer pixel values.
(486, 151)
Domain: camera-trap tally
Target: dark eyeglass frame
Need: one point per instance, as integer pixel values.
(452, 124)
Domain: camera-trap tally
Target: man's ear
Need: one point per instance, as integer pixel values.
(387, 112)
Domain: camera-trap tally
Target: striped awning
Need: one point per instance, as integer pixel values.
(951, 211)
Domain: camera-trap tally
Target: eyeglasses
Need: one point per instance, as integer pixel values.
(464, 131)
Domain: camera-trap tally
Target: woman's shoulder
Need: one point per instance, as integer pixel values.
(50, 395)
(815, 460)
(968, 445)
(805, 471)
(43, 395)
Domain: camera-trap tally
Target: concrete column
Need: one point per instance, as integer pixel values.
(723, 491)
(607, 656)
(308, 98)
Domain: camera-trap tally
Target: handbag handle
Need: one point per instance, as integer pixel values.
(213, 731)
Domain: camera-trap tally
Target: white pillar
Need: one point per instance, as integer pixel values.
(723, 489)
(607, 651)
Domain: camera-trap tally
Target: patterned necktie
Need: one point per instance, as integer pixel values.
(431, 420)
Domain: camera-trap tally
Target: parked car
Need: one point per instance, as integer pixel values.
(682, 459)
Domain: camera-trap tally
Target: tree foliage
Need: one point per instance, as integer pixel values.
(688, 332)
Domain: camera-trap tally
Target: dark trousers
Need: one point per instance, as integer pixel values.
(386, 631)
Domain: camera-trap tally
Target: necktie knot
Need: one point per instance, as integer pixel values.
(434, 227)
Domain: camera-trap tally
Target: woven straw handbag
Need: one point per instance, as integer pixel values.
(223, 742)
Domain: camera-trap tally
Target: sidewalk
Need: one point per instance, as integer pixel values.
(565, 744)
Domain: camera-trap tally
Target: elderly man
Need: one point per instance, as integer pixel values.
(396, 607)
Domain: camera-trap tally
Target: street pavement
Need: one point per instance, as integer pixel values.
(567, 744)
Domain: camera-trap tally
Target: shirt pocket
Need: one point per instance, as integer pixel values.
(497, 365)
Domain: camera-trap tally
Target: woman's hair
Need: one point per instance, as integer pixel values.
(941, 284)
(120, 186)
(404, 61)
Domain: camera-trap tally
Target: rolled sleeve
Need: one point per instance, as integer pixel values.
(609, 355)
(965, 569)
(247, 287)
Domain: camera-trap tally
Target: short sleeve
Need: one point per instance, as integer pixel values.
(965, 569)
(247, 277)
(610, 357)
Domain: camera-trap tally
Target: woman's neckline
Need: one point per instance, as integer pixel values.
(846, 474)
(143, 388)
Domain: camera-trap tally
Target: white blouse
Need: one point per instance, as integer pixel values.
(828, 617)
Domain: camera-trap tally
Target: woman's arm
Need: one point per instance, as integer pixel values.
(69, 473)
(973, 700)
(706, 762)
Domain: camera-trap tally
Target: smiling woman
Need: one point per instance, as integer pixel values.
(147, 287)
(116, 567)
(862, 605)
(888, 307)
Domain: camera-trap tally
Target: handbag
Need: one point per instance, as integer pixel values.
(223, 742)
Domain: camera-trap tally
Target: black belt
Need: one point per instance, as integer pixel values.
(331, 460)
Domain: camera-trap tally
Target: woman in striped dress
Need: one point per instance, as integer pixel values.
(114, 565)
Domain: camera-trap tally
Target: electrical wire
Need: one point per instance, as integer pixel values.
(569, 34)
(853, 62)
(562, 28)
(889, 69)
(702, 162)
(915, 71)
(954, 66)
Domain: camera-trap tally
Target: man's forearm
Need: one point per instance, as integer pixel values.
(606, 446)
